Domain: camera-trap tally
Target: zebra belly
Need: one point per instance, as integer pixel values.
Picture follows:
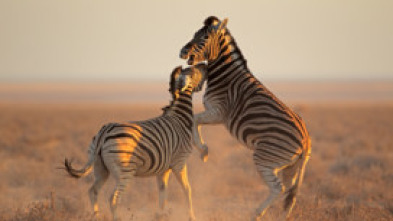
(141, 172)
(270, 150)
(254, 136)
(128, 157)
(157, 163)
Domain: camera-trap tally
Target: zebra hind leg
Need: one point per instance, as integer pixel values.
(101, 175)
(290, 175)
(162, 184)
(273, 182)
(121, 184)
(295, 175)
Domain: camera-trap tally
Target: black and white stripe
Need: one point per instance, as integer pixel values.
(252, 114)
(145, 148)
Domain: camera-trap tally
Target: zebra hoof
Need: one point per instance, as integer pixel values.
(161, 216)
(205, 153)
(256, 218)
(96, 216)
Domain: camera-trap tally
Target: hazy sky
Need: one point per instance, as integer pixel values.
(94, 40)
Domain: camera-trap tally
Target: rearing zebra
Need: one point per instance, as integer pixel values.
(145, 148)
(252, 114)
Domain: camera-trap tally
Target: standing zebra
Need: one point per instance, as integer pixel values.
(252, 114)
(145, 148)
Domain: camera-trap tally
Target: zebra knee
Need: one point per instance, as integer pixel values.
(278, 188)
(115, 198)
(162, 187)
(92, 193)
(272, 181)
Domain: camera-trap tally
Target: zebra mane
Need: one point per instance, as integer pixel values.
(175, 73)
(166, 108)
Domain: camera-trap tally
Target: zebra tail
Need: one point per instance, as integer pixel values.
(301, 164)
(94, 152)
(78, 173)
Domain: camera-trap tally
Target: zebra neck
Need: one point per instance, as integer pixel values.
(181, 110)
(183, 102)
(229, 63)
(180, 107)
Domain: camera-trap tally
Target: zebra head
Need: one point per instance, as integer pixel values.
(189, 79)
(206, 44)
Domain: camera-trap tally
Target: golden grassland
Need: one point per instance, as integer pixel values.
(349, 175)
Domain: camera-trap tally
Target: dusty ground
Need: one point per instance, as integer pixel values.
(349, 176)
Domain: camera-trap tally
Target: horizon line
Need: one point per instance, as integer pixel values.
(160, 80)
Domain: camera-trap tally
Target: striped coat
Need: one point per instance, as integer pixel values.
(251, 113)
(156, 147)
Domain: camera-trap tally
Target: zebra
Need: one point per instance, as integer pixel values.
(156, 146)
(255, 116)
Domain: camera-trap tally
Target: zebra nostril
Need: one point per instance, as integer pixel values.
(184, 53)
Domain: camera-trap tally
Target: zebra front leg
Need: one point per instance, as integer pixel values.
(101, 175)
(199, 143)
(182, 177)
(162, 183)
(210, 116)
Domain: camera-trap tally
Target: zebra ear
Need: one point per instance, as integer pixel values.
(176, 72)
(174, 76)
(223, 24)
(211, 20)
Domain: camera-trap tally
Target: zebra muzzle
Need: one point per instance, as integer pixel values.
(191, 60)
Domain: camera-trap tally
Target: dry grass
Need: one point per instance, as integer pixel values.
(349, 176)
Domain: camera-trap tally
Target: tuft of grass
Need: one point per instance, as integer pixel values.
(340, 168)
(368, 162)
(50, 209)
